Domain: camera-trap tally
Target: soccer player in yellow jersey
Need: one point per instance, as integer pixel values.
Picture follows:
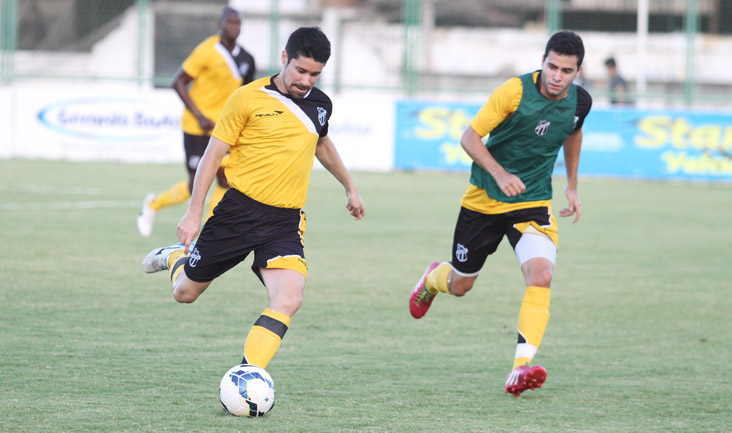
(529, 118)
(215, 68)
(273, 129)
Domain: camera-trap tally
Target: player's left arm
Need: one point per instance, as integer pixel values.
(572, 147)
(328, 156)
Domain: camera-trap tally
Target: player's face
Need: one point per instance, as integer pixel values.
(557, 73)
(230, 26)
(299, 75)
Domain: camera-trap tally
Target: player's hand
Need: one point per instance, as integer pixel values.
(188, 228)
(574, 207)
(510, 184)
(205, 123)
(355, 205)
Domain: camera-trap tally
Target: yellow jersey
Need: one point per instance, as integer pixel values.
(216, 73)
(273, 139)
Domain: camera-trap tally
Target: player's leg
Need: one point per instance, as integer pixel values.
(281, 266)
(209, 256)
(535, 247)
(474, 239)
(174, 259)
(285, 288)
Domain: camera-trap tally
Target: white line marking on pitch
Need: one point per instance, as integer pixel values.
(52, 189)
(70, 205)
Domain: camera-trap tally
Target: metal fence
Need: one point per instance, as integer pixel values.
(673, 52)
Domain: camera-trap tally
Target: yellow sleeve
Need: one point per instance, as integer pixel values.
(198, 60)
(233, 118)
(502, 103)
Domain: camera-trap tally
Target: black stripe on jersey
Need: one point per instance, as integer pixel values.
(271, 324)
(316, 105)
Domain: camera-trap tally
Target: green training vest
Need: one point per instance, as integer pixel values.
(527, 143)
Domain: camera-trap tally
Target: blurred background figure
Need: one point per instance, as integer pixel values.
(617, 86)
(215, 68)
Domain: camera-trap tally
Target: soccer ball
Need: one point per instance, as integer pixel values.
(247, 390)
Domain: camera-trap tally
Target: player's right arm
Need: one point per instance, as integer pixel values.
(180, 85)
(502, 103)
(509, 183)
(190, 224)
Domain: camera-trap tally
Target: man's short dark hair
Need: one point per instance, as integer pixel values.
(226, 11)
(610, 62)
(566, 43)
(309, 42)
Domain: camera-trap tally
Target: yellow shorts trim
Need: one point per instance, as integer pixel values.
(549, 231)
(295, 263)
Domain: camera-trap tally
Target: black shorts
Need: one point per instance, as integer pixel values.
(240, 225)
(477, 235)
(194, 146)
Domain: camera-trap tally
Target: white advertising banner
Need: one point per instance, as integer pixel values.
(88, 122)
(6, 120)
(362, 129)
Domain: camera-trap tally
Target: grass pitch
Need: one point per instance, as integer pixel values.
(638, 340)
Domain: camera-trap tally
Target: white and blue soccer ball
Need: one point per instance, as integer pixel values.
(247, 390)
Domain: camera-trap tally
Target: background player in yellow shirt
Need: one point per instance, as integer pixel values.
(215, 68)
(272, 128)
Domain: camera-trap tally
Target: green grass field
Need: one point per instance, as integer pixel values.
(638, 341)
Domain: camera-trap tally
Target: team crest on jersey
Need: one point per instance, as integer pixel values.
(194, 258)
(322, 112)
(542, 127)
(461, 253)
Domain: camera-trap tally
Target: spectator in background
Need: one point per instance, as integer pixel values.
(214, 70)
(617, 86)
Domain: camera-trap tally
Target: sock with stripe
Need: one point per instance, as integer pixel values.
(532, 321)
(437, 279)
(176, 194)
(176, 263)
(265, 337)
(216, 196)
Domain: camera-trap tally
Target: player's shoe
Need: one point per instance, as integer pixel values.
(421, 298)
(157, 259)
(524, 377)
(147, 217)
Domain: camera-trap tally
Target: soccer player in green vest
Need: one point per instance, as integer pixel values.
(529, 118)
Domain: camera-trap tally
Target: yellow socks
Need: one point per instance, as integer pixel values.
(265, 337)
(437, 279)
(176, 262)
(532, 320)
(176, 194)
(216, 196)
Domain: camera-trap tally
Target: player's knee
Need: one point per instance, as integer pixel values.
(541, 277)
(288, 305)
(184, 296)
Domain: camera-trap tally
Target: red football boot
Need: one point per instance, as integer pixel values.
(421, 298)
(525, 377)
